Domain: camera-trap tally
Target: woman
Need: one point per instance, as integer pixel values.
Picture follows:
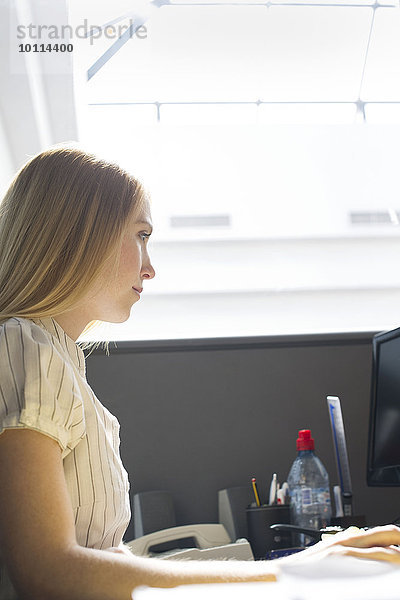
(73, 250)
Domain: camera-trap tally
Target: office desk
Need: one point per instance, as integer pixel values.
(333, 578)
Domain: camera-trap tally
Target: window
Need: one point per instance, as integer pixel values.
(267, 133)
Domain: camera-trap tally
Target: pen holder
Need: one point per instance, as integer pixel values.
(263, 539)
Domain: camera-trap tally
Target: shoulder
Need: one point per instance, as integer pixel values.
(22, 333)
(25, 343)
(16, 325)
(38, 385)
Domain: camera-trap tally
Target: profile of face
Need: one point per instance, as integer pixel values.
(117, 291)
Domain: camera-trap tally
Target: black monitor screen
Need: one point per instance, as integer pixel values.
(384, 432)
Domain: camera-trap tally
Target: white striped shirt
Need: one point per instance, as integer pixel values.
(43, 387)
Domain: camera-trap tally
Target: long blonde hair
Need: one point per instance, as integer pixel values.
(62, 217)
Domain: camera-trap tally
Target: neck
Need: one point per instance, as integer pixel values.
(73, 324)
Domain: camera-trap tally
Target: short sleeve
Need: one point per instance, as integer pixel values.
(38, 386)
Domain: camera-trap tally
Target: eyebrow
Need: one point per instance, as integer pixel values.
(145, 223)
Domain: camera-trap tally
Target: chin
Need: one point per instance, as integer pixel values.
(124, 317)
(119, 317)
(117, 313)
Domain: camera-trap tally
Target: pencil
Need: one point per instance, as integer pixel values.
(255, 490)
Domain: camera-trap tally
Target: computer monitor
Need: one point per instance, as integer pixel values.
(383, 467)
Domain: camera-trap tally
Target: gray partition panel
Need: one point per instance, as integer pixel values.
(201, 415)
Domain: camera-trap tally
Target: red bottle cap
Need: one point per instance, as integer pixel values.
(305, 441)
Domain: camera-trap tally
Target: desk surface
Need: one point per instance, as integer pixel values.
(330, 578)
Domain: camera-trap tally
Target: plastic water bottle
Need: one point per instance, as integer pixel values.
(310, 501)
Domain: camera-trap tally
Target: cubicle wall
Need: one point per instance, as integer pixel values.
(201, 415)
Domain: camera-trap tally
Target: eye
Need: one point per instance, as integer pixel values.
(144, 236)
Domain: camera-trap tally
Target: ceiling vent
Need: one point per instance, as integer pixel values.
(375, 217)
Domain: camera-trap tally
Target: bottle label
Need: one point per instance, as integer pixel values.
(307, 499)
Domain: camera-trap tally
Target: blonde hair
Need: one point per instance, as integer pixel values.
(62, 217)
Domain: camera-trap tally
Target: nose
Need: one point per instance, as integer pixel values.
(147, 271)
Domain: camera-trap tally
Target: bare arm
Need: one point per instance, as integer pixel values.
(39, 546)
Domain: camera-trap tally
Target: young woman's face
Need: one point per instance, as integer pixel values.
(117, 292)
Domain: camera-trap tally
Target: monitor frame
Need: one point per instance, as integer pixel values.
(375, 475)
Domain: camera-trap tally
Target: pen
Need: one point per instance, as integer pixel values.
(273, 489)
(255, 490)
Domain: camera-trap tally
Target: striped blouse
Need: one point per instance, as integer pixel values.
(43, 387)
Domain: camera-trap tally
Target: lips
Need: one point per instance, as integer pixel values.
(138, 290)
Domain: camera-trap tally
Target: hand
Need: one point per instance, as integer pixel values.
(379, 543)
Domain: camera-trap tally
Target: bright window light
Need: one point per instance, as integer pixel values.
(119, 118)
(281, 3)
(382, 71)
(236, 53)
(383, 113)
(303, 113)
(209, 114)
(279, 118)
